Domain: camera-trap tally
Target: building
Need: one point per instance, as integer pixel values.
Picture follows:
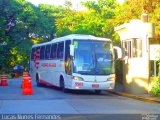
(140, 50)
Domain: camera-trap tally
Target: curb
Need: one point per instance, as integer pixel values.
(134, 96)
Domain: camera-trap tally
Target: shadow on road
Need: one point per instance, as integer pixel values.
(79, 92)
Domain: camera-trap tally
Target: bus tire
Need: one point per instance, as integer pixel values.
(62, 85)
(37, 81)
(97, 91)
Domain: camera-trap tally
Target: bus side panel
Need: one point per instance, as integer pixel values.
(60, 70)
(53, 77)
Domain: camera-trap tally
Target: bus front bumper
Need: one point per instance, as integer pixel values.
(82, 85)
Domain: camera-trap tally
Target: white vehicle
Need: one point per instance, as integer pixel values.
(77, 62)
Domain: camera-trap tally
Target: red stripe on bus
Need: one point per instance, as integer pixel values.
(36, 62)
(46, 83)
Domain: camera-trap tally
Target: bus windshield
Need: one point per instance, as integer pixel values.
(93, 57)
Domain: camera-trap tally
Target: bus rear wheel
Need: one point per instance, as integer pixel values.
(37, 81)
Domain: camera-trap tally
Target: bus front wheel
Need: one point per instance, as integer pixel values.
(62, 85)
(97, 91)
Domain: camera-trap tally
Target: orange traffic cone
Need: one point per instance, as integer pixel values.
(27, 88)
(4, 80)
(25, 74)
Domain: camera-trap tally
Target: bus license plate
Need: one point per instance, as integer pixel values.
(95, 85)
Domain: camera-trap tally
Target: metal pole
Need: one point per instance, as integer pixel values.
(155, 69)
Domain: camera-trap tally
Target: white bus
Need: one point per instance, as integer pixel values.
(75, 62)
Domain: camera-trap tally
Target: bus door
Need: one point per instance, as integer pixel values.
(60, 60)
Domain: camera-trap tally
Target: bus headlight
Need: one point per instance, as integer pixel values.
(111, 79)
(77, 78)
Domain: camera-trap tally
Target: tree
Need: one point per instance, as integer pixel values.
(133, 9)
(96, 21)
(68, 4)
(22, 24)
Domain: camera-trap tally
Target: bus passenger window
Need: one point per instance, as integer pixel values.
(47, 51)
(53, 51)
(60, 50)
(42, 52)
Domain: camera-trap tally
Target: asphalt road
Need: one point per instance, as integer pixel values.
(77, 105)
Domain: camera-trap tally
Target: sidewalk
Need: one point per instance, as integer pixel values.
(119, 90)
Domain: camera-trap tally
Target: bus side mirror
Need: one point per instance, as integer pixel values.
(71, 50)
(117, 52)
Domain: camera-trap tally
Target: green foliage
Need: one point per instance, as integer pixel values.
(132, 9)
(119, 70)
(51, 13)
(155, 86)
(21, 22)
(155, 83)
(97, 20)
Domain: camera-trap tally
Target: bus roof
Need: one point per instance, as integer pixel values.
(72, 37)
